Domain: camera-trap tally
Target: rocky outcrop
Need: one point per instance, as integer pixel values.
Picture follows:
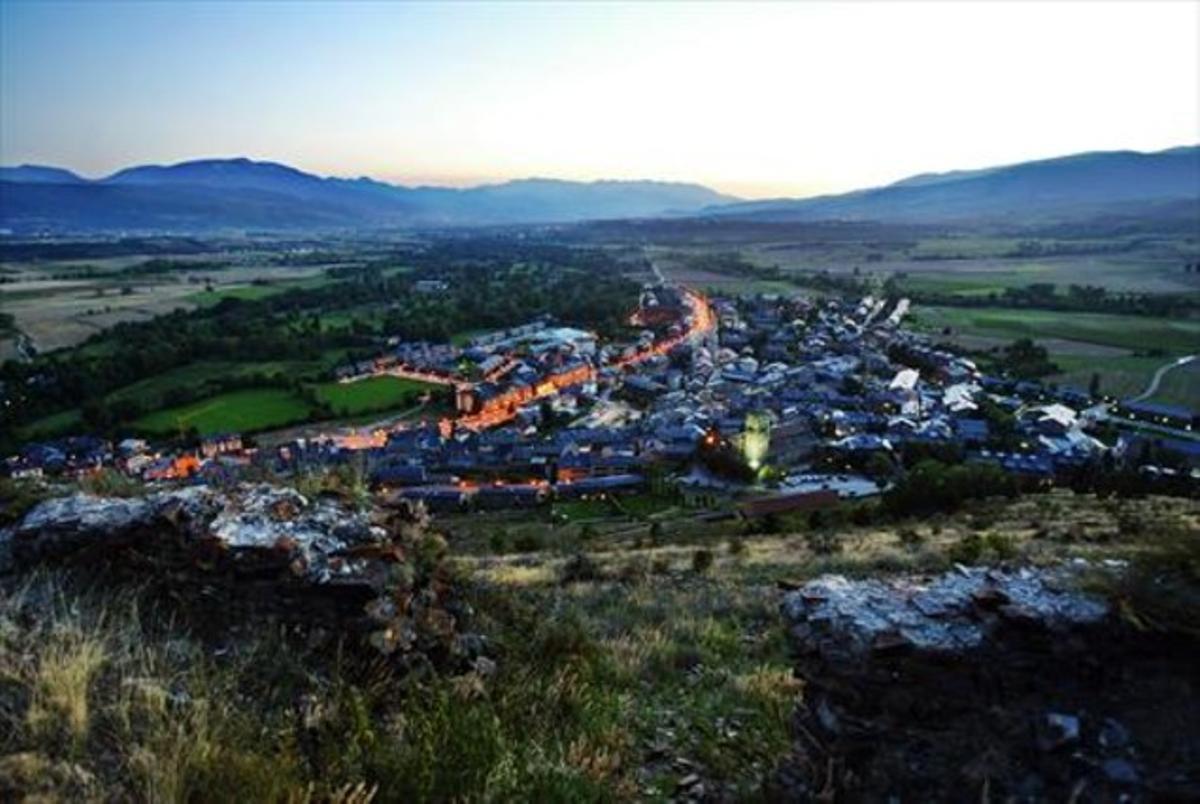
(985, 683)
(258, 551)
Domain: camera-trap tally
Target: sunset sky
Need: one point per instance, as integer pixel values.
(757, 100)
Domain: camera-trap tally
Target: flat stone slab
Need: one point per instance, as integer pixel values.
(949, 613)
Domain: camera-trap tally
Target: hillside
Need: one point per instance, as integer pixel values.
(1069, 187)
(240, 193)
(606, 658)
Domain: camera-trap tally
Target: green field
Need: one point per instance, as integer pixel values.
(251, 292)
(1121, 331)
(1119, 376)
(194, 376)
(1181, 387)
(373, 395)
(240, 411)
(54, 426)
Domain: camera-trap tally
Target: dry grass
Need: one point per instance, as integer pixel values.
(614, 686)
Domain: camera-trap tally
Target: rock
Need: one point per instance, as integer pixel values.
(941, 615)
(953, 687)
(1120, 771)
(1057, 730)
(1113, 735)
(261, 550)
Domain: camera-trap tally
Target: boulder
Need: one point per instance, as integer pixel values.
(258, 551)
(983, 682)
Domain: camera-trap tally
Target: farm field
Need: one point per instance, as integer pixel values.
(1120, 376)
(1181, 386)
(968, 265)
(63, 312)
(241, 411)
(260, 290)
(370, 396)
(195, 380)
(1125, 332)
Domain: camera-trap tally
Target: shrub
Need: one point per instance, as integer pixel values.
(111, 483)
(17, 497)
(1003, 547)
(911, 538)
(702, 561)
(634, 571)
(529, 543)
(823, 543)
(580, 567)
(737, 546)
(661, 566)
(968, 550)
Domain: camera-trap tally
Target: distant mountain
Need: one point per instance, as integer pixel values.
(38, 174)
(241, 193)
(1069, 187)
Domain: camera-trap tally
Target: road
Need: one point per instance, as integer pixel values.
(1156, 380)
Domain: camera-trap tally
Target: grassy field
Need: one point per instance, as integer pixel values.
(1181, 386)
(53, 426)
(255, 291)
(59, 313)
(1126, 332)
(197, 379)
(1119, 376)
(970, 264)
(239, 411)
(373, 395)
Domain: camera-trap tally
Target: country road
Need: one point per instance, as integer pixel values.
(1156, 380)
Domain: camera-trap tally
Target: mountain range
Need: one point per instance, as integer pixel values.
(243, 194)
(1070, 187)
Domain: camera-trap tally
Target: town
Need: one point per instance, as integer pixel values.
(751, 404)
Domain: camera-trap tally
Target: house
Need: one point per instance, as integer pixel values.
(788, 503)
(220, 444)
(1175, 416)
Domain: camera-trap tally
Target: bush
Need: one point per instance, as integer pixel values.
(498, 541)
(911, 538)
(661, 566)
(634, 571)
(17, 498)
(702, 561)
(932, 486)
(823, 543)
(111, 483)
(969, 549)
(1161, 589)
(580, 567)
(529, 543)
(737, 546)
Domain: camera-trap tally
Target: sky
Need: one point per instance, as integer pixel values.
(758, 100)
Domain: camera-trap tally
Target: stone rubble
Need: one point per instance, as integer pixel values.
(1009, 684)
(258, 550)
(834, 614)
